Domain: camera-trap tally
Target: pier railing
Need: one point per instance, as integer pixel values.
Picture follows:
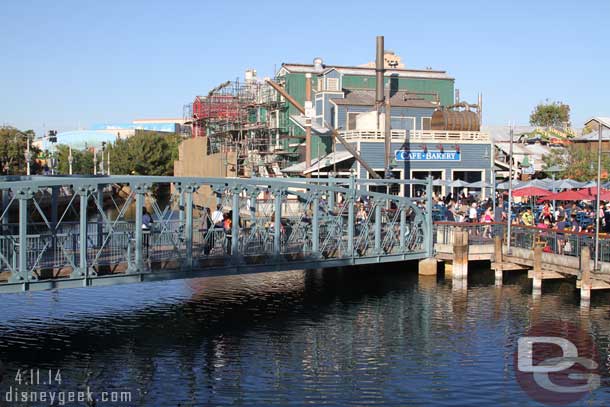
(561, 242)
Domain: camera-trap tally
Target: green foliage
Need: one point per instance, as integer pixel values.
(82, 161)
(579, 163)
(12, 151)
(145, 153)
(550, 114)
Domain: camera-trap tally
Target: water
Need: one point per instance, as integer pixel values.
(366, 336)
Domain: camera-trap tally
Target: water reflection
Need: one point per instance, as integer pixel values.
(365, 336)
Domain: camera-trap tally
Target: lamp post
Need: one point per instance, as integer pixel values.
(599, 181)
(510, 190)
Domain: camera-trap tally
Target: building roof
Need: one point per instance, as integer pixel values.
(534, 152)
(398, 99)
(594, 135)
(358, 70)
(328, 160)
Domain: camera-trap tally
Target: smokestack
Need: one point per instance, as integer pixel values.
(379, 71)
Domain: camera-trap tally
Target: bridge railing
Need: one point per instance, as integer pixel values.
(95, 232)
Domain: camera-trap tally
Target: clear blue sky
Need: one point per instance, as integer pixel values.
(66, 63)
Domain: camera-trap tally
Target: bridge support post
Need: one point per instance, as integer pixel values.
(378, 227)
(537, 280)
(331, 196)
(100, 222)
(186, 196)
(350, 224)
(460, 255)
(22, 274)
(180, 204)
(585, 276)
(54, 205)
(403, 228)
(427, 267)
(277, 223)
(498, 259)
(83, 267)
(235, 223)
(315, 227)
(138, 266)
(430, 222)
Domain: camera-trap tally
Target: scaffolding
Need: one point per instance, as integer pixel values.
(247, 118)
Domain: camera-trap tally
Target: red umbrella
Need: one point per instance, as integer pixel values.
(585, 194)
(531, 191)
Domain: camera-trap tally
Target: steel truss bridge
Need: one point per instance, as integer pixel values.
(60, 232)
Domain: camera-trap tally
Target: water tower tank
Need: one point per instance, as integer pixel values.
(453, 120)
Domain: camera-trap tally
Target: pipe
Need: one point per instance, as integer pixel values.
(379, 71)
(308, 107)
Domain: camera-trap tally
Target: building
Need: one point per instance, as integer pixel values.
(267, 122)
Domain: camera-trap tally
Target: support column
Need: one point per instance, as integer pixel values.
(537, 280)
(460, 255)
(315, 227)
(83, 268)
(22, 274)
(187, 211)
(235, 223)
(5, 200)
(498, 259)
(403, 228)
(331, 197)
(100, 223)
(138, 265)
(429, 221)
(350, 224)
(180, 190)
(585, 276)
(378, 227)
(277, 223)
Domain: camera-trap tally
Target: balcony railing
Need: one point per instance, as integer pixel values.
(400, 136)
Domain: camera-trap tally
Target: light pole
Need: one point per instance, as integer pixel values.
(510, 190)
(70, 159)
(599, 182)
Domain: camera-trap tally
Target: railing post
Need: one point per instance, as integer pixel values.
(187, 197)
(350, 198)
(315, 226)
(5, 200)
(100, 224)
(429, 220)
(403, 227)
(83, 268)
(23, 273)
(139, 267)
(378, 226)
(235, 223)
(331, 196)
(180, 190)
(277, 222)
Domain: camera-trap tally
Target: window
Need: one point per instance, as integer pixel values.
(394, 188)
(403, 123)
(351, 120)
(426, 123)
(332, 84)
(418, 190)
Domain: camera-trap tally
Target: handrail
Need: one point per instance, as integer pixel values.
(535, 228)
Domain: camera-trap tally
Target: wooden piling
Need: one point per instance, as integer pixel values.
(537, 280)
(460, 254)
(585, 275)
(498, 259)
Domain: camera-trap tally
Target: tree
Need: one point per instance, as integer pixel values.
(578, 163)
(145, 153)
(13, 144)
(82, 161)
(550, 114)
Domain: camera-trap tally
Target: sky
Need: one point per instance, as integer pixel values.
(69, 64)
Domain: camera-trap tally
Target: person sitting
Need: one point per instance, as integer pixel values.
(527, 218)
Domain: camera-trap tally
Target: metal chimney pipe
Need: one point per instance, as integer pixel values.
(379, 72)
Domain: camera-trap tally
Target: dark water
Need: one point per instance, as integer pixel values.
(356, 337)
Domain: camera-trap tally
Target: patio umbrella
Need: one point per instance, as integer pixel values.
(460, 184)
(530, 191)
(480, 184)
(590, 184)
(539, 183)
(587, 194)
(566, 184)
(504, 185)
(441, 182)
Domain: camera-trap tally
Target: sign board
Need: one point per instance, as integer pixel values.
(430, 155)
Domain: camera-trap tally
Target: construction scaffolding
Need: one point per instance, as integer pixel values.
(246, 118)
